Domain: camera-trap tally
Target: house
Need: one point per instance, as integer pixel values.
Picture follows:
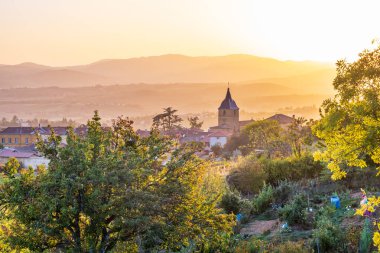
(218, 138)
(26, 159)
(18, 136)
(282, 119)
(25, 136)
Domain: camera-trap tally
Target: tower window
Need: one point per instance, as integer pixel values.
(224, 112)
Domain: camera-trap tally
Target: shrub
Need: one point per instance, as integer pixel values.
(254, 245)
(291, 247)
(352, 237)
(328, 237)
(294, 213)
(247, 176)
(284, 191)
(264, 199)
(217, 150)
(366, 237)
(230, 202)
(292, 168)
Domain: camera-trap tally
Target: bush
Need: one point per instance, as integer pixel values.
(230, 202)
(328, 237)
(264, 199)
(294, 213)
(254, 245)
(293, 169)
(284, 191)
(366, 237)
(291, 247)
(247, 176)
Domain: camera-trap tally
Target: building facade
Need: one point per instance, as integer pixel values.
(228, 115)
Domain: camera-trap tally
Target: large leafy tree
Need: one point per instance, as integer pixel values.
(350, 123)
(112, 187)
(168, 121)
(268, 136)
(299, 136)
(195, 123)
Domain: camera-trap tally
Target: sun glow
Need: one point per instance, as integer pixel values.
(76, 32)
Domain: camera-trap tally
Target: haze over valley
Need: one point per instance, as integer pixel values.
(139, 87)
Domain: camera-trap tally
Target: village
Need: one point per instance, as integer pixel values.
(19, 142)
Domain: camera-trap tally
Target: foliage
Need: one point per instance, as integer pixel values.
(231, 202)
(294, 213)
(194, 122)
(352, 238)
(217, 150)
(264, 199)
(247, 176)
(167, 121)
(11, 167)
(253, 245)
(328, 237)
(284, 191)
(238, 142)
(111, 187)
(299, 135)
(365, 237)
(291, 247)
(350, 123)
(292, 168)
(267, 135)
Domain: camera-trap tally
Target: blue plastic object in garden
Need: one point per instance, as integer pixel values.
(335, 201)
(239, 216)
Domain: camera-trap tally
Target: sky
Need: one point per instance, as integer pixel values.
(71, 32)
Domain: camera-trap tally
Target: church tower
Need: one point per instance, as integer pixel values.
(228, 115)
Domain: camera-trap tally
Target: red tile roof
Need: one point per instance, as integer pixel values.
(12, 153)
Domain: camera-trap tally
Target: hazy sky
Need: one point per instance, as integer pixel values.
(67, 32)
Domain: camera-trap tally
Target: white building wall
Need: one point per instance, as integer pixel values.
(218, 141)
(31, 161)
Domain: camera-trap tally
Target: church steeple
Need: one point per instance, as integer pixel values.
(228, 103)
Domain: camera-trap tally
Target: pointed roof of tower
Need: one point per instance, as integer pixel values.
(228, 103)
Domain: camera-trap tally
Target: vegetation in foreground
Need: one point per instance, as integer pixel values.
(111, 191)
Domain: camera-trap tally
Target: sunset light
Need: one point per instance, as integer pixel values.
(78, 32)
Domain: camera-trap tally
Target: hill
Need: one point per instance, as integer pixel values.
(173, 69)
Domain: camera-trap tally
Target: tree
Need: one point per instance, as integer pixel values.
(238, 142)
(217, 149)
(11, 167)
(350, 122)
(299, 135)
(167, 121)
(194, 122)
(111, 187)
(266, 135)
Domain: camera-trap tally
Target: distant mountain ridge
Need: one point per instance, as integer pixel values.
(307, 76)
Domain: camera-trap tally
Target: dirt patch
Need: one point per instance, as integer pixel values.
(260, 227)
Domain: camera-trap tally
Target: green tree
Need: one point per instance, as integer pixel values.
(194, 122)
(267, 135)
(350, 122)
(299, 135)
(112, 187)
(238, 142)
(167, 121)
(11, 167)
